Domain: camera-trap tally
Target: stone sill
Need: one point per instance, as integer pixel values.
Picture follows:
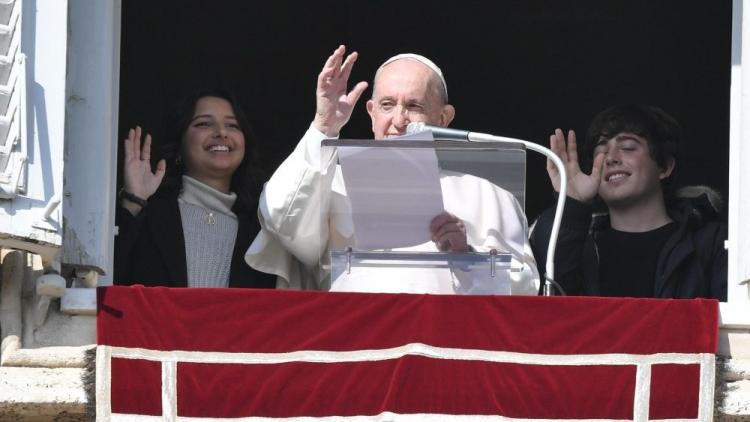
(42, 394)
(734, 343)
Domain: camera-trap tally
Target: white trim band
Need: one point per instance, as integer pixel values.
(414, 349)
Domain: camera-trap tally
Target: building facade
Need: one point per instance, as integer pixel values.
(59, 99)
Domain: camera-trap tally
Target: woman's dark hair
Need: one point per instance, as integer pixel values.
(661, 130)
(247, 179)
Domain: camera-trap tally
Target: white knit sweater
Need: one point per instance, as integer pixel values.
(210, 229)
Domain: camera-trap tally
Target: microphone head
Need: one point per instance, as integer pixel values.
(415, 127)
(438, 132)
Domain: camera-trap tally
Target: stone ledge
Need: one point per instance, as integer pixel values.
(42, 394)
(732, 389)
(46, 357)
(734, 343)
(736, 369)
(736, 401)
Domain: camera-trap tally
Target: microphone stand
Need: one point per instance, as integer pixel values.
(465, 135)
(549, 276)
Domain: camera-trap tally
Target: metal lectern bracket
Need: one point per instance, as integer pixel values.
(493, 255)
(349, 260)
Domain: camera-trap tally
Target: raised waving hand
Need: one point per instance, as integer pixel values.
(334, 104)
(581, 186)
(138, 178)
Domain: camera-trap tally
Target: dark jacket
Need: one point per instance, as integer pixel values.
(150, 248)
(692, 263)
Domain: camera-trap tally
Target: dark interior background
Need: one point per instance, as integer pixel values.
(516, 68)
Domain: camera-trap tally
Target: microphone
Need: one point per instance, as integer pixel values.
(445, 133)
(438, 132)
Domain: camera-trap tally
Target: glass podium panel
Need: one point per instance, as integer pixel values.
(390, 198)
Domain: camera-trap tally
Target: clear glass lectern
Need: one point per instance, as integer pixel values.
(386, 195)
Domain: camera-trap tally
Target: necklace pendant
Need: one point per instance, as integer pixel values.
(209, 219)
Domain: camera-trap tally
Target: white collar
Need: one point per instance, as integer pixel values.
(200, 194)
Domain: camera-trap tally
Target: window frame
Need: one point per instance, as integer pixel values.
(735, 313)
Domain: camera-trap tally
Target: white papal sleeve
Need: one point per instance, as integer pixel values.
(293, 236)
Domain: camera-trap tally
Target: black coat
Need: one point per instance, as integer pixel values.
(692, 263)
(150, 248)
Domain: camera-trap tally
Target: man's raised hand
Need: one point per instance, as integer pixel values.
(333, 104)
(581, 186)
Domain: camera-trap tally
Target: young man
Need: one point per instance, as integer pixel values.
(478, 215)
(649, 243)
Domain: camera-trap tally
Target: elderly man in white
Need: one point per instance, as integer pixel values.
(479, 216)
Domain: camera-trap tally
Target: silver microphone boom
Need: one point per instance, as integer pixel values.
(438, 132)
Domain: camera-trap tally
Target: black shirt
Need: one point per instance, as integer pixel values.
(627, 261)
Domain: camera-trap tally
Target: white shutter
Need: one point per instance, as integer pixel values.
(33, 47)
(12, 101)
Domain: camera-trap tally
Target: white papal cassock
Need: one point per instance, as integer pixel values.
(293, 235)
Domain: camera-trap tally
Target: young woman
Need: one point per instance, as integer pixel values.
(187, 223)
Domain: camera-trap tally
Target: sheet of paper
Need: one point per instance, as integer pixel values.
(394, 193)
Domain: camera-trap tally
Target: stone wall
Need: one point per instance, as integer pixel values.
(43, 350)
(733, 375)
